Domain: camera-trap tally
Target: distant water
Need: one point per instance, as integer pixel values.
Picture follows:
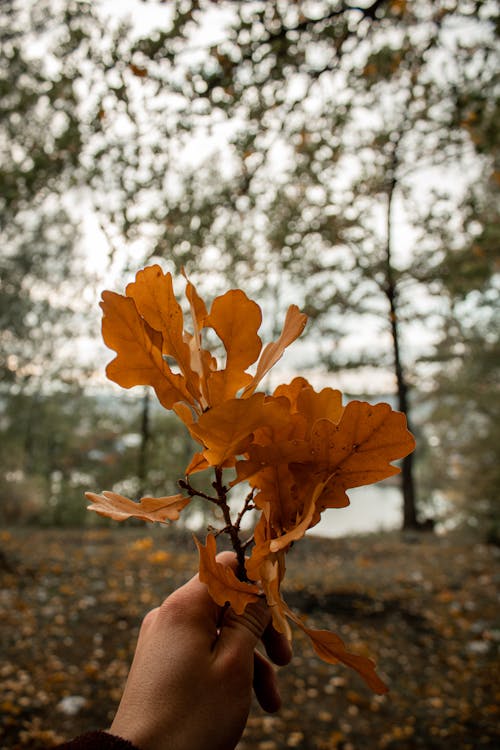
(372, 508)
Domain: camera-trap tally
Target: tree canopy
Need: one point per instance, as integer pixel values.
(341, 156)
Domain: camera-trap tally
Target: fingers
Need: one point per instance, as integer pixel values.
(243, 632)
(227, 558)
(193, 606)
(255, 624)
(194, 610)
(277, 646)
(240, 635)
(191, 611)
(265, 684)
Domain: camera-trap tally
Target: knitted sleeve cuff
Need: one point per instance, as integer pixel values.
(97, 741)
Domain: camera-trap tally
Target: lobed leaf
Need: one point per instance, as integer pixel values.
(295, 322)
(223, 585)
(118, 507)
(201, 361)
(138, 348)
(236, 320)
(197, 463)
(360, 449)
(226, 430)
(303, 521)
(331, 648)
(299, 449)
(153, 294)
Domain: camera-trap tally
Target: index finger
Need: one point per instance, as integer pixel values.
(253, 623)
(192, 608)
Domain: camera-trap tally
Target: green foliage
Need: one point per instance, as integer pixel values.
(331, 151)
(42, 55)
(465, 426)
(53, 447)
(320, 154)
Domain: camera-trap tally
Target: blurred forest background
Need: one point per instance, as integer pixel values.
(343, 158)
(339, 155)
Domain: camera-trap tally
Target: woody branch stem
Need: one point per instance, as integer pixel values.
(193, 492)
(231, 529)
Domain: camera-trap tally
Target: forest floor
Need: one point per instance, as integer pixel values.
(425, 607)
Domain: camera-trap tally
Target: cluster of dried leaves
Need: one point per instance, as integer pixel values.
(299, 450)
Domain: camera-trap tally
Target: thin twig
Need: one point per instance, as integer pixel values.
(232, 529)
(218, 532)
(248, 505)
(193, 492)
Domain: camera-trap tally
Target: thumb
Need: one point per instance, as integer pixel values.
(245, 631)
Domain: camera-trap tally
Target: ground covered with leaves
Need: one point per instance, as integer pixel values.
(71, 603)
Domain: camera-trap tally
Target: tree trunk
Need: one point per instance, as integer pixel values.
(142, 462)
(29, 439)
(407, 479)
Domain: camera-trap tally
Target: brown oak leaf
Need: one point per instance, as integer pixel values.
(226, 430)
(299, 450)
(236, 320)
(118, 507)
(331, 648)
(293, 326)
(138, 347)
(223, 585)
(153, 294)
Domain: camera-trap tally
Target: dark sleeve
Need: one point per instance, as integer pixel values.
(97, 741)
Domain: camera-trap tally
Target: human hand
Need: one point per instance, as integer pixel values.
(190, 684)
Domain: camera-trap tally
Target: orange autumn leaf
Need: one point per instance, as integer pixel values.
(295, 322)
(363, 443)
(276, 496)
(292, 390)
(185, 413)
(270, 577)
(236, 320)
(355, 451)
(314, 405)
(197, 305)
(201, 361)
(331, 648)
(268, 568)
(118, 507)
(226, 430)
(302, 522)
(153, 294)
(299, 449)
(148, 334)
(273, 453)
(267, 565)
(138, 347)
(221, 580)
(292, 444)
(260, 550)
(360, 449)
(197, 463)
(311, 404)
